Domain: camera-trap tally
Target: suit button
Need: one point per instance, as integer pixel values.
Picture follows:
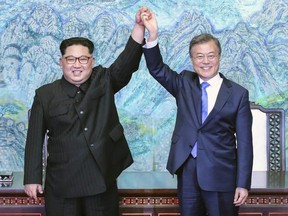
(92, 145)
(81, 112)
(85, 129)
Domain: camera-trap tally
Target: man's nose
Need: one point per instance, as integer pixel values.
(205, 59)
(77, 63)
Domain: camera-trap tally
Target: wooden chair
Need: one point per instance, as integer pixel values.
(268, 139)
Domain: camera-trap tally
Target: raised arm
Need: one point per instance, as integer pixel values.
(129, 59)
(167, 77)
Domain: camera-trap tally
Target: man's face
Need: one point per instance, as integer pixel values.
(77, 71)
(206, 60)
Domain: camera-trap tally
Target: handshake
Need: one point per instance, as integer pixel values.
(146, 19)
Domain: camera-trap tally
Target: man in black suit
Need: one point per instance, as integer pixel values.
(87, 149)
(211, 150)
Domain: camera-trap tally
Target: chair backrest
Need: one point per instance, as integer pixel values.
(268, 139)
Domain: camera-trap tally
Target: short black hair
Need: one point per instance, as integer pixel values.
(76, 41)
(203, 38)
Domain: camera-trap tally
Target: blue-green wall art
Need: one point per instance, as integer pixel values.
(253, 34)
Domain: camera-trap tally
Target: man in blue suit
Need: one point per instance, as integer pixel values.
(212, 155)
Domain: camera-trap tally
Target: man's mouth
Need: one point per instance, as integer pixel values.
(76, 72)
(206, 68)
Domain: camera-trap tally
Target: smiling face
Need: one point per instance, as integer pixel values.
(206, 59)
(76, 73)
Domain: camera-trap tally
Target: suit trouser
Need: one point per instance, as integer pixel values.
(104, 204)
(196, 202)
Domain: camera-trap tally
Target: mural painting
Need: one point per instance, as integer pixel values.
(253, 34)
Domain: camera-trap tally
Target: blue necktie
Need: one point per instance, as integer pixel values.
(204, 105)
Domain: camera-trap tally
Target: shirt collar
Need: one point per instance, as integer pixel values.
(214, 81)
(72, 89)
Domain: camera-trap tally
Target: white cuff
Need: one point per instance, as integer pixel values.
(150, 44)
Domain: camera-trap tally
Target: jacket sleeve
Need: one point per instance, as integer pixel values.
(168, 78)
(244, 143)
(33, 159)
(126, 63)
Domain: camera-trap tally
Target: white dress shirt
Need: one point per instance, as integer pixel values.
(212, 90)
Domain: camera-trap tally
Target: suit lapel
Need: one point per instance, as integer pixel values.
(222, 98)
(196, 100)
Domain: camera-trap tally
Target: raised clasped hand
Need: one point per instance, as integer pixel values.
(148, 18)
(143, 11)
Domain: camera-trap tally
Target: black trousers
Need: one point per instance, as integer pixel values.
(104, 204)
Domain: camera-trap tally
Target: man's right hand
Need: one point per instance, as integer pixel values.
(32, 189)
(150, 23)
(139, 28)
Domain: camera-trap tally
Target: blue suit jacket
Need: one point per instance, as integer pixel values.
(222, 164)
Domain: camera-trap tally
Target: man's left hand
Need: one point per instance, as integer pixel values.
(241, 195)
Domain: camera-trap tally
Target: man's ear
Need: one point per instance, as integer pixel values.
(60, 62)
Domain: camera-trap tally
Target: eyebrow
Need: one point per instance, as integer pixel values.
(212, 52)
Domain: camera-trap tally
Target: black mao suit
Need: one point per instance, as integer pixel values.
(87, 149)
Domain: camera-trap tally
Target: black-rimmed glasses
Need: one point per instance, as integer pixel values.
(81, 59)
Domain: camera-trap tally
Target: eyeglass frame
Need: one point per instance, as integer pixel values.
(77, 58)
(210, 57)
